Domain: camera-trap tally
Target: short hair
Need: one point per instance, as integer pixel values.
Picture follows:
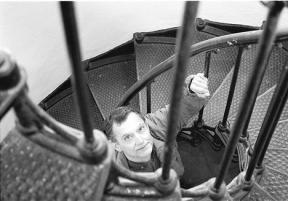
(118, 116)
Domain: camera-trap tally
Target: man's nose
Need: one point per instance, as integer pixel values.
(138, 139)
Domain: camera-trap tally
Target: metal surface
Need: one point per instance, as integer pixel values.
(248, 102)
(275, 183)
(219, 42)
(272, 74)
(274, 111)
(232, 86)
(277, 158)
(182, 54)
(29, 172)
(110, 81)
(65, 112)
(151, 51)
(206, 74)
(12, 82)
(259, 193)
(149, 54)
(148, 92)
(212, 115)
(8, 97)
(78, 81)
(260, 110)
(279, 139)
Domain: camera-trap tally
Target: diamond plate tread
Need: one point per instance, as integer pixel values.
(65, 111)
(275, 183)
(109, 82)
(31, 173)
(279, 138)
(260, 109)
(278, 159)
(214, 114)
(257, 193)
(149, 55)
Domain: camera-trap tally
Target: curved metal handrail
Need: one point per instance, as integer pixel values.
(244, 38)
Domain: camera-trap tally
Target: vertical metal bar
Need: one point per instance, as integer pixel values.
(78, 79)
(270, 121)
(207, 63)
(206, 74)
(248, 102)
(232, 86)
(184, 41)
(148, 96)
(245, 132)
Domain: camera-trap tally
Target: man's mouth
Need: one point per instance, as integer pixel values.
(142, 147)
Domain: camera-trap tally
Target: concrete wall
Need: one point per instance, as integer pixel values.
(32, 31)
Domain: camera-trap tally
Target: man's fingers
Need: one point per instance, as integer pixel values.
(200, 81)
(199, 85)
(200, 76)
(188, 79)
(203, 95)
(199, 90)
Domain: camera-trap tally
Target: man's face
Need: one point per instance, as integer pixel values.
(133, 138)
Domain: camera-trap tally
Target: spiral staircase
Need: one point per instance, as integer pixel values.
(29, 172)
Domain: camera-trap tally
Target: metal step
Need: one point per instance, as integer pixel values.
(276, 183)
(278, 159)
(279, 139)
(260, 110)
(109, 79)
(64, 110)
(257, 193)
(150, 52)
(214, 110)
(29, 172)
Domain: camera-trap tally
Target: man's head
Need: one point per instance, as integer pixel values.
(128, 131)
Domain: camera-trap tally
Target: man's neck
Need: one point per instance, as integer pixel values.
(138, 160)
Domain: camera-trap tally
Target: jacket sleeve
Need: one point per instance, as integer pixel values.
(158, 121)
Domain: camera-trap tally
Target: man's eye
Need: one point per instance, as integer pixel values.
(127, 138)
(142, 128)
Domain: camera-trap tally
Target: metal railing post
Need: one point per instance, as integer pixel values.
(247, 104)
(78, 78)
(148, 96)
(199, 122)
(185, 38)
(269, 124)
(232, 86)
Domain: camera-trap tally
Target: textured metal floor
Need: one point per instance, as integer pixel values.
(212, 115)
(31, 173)
(65, 111)
(108, 81)
(260, 110)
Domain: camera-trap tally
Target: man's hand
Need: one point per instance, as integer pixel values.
(199, 85)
